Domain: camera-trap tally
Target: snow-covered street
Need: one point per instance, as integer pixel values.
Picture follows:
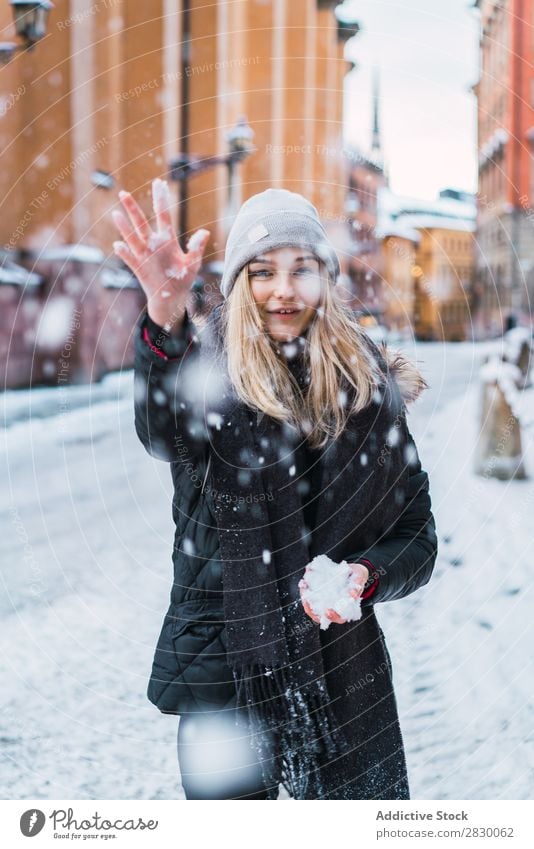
(86, 551)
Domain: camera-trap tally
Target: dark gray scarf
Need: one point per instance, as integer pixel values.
(273, 647)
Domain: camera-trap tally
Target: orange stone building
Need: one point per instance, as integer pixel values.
(109, 99)
(437, 239)
(505, 96)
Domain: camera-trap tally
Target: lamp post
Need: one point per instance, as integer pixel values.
(347, 27)
(30, 24)
(240, 140)
(183, 166)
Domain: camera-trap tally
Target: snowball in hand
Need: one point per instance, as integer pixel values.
(329, 586)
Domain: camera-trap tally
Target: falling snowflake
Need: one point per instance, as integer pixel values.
(202, 387)
(266, 555)
(392, 437)
(410, 454)
(214, 419)
(189, 546)
(55, 322)
(290, 350)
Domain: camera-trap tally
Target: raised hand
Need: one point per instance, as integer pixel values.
(165, 272)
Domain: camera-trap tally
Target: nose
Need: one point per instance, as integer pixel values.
(283, 283)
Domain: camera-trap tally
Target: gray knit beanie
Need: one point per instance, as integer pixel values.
(272, 219)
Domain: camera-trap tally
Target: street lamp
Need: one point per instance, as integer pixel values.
(347, 29)
(102, 179)
(183, 166)
(30, 24)
(347, 24)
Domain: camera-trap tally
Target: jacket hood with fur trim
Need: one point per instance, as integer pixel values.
(406, 373)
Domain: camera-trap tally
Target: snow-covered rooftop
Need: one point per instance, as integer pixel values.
(399, 229)
(11, 273)
(404, 216)
(432, 222)
(496, 142)
(118, 278)
(397, 205)
(78, 252)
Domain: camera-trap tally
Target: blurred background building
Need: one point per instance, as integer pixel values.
(504, 282)
(366, 176)
(225, 101)
(437, 302)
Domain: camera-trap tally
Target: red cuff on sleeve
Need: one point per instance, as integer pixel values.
(372, 571)
(148, 340)
(187, 337)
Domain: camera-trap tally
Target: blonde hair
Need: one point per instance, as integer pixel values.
(338, 357)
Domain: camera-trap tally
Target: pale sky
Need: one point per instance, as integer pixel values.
(427, 53)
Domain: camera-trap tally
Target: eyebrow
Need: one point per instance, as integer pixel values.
(270, 262)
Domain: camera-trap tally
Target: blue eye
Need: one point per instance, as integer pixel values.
(265, 271)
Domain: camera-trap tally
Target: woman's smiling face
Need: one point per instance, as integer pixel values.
(286, 278)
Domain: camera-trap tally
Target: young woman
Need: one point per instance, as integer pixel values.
(285, 429)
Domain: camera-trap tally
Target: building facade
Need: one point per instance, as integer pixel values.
(439, 236)
(366, 177)
(398, 248)
(505, 100)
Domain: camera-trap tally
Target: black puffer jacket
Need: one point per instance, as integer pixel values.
(189, 671)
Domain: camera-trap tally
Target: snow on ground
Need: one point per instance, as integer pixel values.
(86, 553)
(461, 645)
(86, 548)
(21, 405)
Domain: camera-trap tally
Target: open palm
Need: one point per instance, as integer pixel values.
(165, 272)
